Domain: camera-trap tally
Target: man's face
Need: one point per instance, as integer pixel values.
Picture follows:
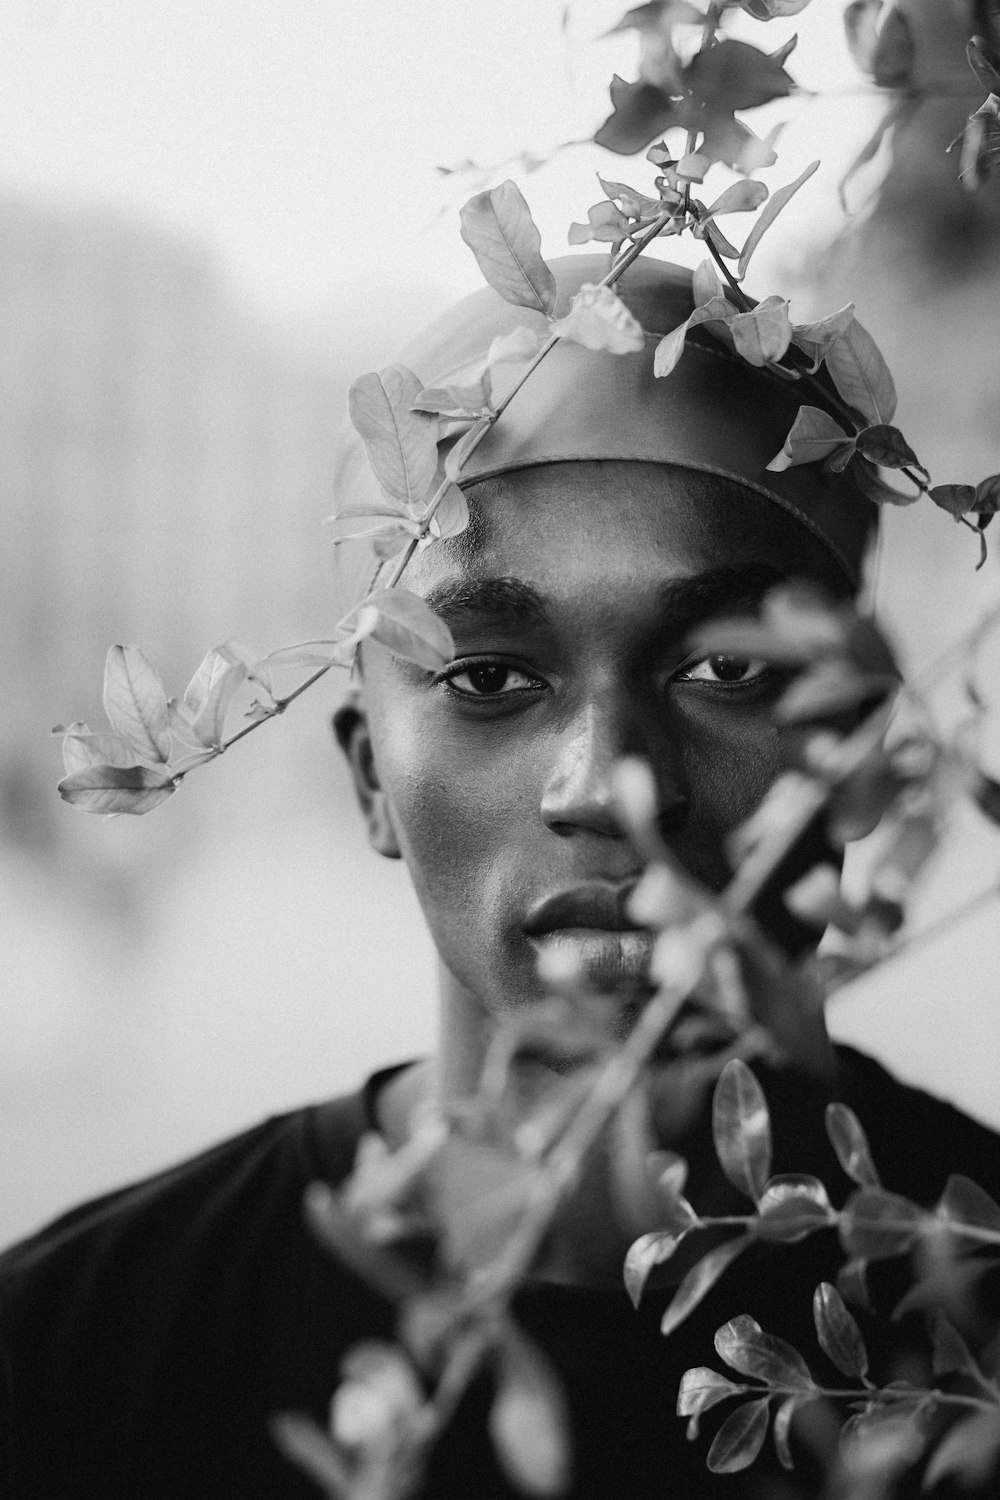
(570, 603)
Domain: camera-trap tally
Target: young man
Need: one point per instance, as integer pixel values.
(149, 1337)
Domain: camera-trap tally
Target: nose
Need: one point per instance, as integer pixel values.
(577, 796)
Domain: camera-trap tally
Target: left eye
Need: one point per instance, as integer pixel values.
(489, 680)
(724, 671)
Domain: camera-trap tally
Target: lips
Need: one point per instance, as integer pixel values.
(594, 907)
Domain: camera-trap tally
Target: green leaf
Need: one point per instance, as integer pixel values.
(871, 484)
(400, 443)
(965, 1202)
(791, 1207)
(745, 1347)
(887, 447)
(956, 499)
(395, 1278)
(984, 60)
(517, 347)
(968, 1453)
(706, 284)
(770, 10)
(986, 795)
(407, 626)
(861, 375)
(849, 1141)
(782, 1430)
(783, 53)
(634, 205)
(480, 1195)
(700, 1389)
(599, 319)
(452, 514)
(769, 213)
(117, 789)
(814, 435)
(895, 53)
(734, 75)
(828, 689)
(988, 496)
(839, 1335)
(648, 1250)
(764, 333)
(460, 453)
(852, 1282)
(82, 748)
(700, 1280)
(671, 346)
(951, 1355)
(739, 1439)
(640, 112)
(605, 221)
(741, 1128)
(875, 1225)
(861, 28)
(499, 230)
(136, 703)
(307, 1445)
(528, 1421)
(817, 339)
(454, 402)
(209, 693)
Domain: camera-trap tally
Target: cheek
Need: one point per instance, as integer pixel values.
(731, 759)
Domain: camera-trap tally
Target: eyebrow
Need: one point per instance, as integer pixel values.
(683, 602)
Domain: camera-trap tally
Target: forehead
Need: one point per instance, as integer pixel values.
(620, 531)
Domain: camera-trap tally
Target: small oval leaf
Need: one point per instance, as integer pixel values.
(848, 1139)
(400, 443)
(861, 375)
(498, 228)
(741, 1127)
(839, 1335)
(699, 1281)
(745, 1347)
(528, 1419)
(135, 702)
(648, 1250)
(875, 1225)
(739, 1439)
(117, 789)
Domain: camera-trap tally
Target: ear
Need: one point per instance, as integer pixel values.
(350, 726)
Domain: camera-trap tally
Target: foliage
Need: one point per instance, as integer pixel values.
(478, 1188)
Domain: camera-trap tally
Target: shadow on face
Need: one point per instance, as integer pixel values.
(570, 598)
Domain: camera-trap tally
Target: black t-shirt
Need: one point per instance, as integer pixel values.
(148, 1337)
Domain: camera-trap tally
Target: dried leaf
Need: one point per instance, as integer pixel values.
(848, 1139)
(745, 1347)
(599, 319)
(769, 213)
(700, 1280)
(117, 789)
(764, 333)
(741, 1127)
(135, 702)
(861, 375)
(839, 1335)
(814, 435)
(739, 1439)
(528, 1421)
(400, 443)
(499, 230)
(700, 1389)
(875, 1225)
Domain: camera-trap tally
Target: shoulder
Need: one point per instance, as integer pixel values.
(917, 1140)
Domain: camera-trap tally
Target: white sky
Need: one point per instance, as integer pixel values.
(300, 139)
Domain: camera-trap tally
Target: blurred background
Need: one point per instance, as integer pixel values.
(212, 218)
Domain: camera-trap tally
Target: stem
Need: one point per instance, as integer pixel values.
(742, 300)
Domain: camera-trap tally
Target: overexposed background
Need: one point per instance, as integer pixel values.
(212, 217)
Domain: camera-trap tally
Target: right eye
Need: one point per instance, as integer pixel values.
(489, 679)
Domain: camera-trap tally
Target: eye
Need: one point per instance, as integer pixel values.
(724, 671)
(489, 679)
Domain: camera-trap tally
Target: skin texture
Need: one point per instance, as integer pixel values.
(495, 789)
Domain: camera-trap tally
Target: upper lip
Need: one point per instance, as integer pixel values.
(594, 905)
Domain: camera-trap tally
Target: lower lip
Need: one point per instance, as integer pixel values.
(606, 960)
